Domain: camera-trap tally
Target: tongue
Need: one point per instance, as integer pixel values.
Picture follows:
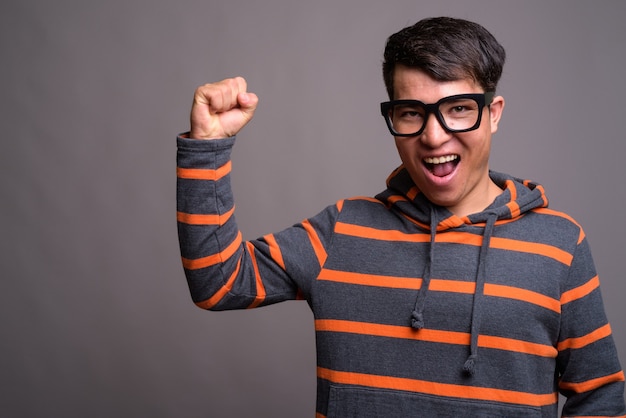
(442, 170)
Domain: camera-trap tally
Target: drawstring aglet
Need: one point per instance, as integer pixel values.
(417, 320)
(470, 365)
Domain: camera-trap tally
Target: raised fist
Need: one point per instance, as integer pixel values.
(221, 109)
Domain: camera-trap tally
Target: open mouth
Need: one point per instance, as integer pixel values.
(442, 166)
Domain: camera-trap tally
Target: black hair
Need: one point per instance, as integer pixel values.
(447, 49)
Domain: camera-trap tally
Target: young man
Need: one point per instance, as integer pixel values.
(454, 292)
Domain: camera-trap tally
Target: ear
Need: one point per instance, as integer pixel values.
(495, 112)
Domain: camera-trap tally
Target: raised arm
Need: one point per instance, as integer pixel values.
(224, 271)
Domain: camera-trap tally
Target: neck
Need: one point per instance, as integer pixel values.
(488, 194)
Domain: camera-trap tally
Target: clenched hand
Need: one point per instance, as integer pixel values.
(221, 109)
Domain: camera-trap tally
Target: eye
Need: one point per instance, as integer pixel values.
(459, 109)
(407, 113)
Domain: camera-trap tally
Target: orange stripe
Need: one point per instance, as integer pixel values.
(514, 209)
(435, 336)
(320, 252)
(411, 283)
(585, 340)
(508, 244)
(379, 234)
(397, 198)
(217, 296)
(450, 222)
(392, 331)
(523, 295)
(510, 186)
(440, 285)
(204, 173)
(461, 238)
(204, 219)
(412, 194)
(532, 248)
(496, 290)
(592, 384)
(439, 389)
(370, 279)
(552, 212)
(518, 346)
(512, 205)
(260, 289)
(340, 205)
(581, 291)
(199, 263)
(275, 251)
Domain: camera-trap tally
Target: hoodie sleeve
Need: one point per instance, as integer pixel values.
(223, 271)
(590, 374)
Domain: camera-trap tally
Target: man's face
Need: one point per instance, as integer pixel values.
(451, 169)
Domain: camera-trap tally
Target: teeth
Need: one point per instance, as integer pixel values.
(440, 160)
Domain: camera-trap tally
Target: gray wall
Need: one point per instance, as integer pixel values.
(95, 317)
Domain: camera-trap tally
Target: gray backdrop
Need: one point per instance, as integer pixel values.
(95, 316)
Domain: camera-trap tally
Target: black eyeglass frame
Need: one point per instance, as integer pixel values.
(483, 99)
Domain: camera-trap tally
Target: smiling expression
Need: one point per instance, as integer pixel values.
(451, 169)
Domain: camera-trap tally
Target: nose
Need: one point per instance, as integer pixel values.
(434, 135)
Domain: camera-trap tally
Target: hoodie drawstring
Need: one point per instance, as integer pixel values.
(470, 365)
(417, 316)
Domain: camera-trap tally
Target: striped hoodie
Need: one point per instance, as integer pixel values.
(417, 312)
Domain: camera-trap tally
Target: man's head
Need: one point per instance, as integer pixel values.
(446, 49)
(441, 75)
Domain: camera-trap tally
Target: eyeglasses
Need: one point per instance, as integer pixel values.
(458, 113)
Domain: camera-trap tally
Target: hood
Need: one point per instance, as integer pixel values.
(518, 197)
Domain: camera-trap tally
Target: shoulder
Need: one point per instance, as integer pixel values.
(369, 211)
(550, 218)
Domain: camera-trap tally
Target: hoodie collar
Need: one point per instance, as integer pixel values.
(518, 197)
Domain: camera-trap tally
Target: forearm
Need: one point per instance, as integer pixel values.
(222, 270)
(210, 243)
